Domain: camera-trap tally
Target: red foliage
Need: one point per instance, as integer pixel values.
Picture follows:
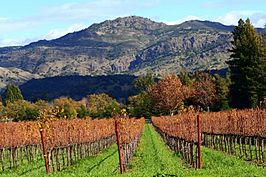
(169, 93)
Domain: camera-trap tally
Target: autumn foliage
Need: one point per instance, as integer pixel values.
(248, 122)
(169, 93)
(183, 126)
(130, 129)
(58, 133)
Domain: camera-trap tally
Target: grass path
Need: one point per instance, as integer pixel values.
(152, 158)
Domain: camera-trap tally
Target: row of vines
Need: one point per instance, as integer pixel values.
(65, 141)
(128, 133)
(180, 132)
(237, 132)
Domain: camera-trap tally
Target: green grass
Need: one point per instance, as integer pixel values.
(152, 158)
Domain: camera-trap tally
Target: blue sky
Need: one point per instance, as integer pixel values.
(25, 21)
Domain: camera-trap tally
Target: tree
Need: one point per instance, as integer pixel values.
(247, 66)
(169, 93)
(101, 105)
(142, 83)
(222, 91)
(3, 113)
(12, 94)
(204, 93)
(82, 112)
(21, 110)
(185, 78)
(67, 106)
(141, 105)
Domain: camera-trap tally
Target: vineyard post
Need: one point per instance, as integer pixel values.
(199, 141)
(44, 151)
(118, 145)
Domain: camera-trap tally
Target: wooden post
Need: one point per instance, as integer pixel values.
(118, 145)
(199, 142)
(44, 151)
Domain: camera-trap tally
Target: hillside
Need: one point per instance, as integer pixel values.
(131, 45)
(118, 86)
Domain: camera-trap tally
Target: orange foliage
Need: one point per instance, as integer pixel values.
(169, 93)
(130, 129)
(58, 133)
(183, 126)
(249, 122)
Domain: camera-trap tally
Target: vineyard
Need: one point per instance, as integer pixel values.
(65, 141)
(237, 132)
(128, 139)
(240, 133)
(59, 145)
(180, 133)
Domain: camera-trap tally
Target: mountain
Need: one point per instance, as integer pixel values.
(15, 76)
(129, 45)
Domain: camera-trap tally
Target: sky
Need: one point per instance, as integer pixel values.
(25, 21)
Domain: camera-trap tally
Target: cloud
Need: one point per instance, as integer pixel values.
(257, 18)
(3, 19)
(52, 34)
(95, 10)
(16, 42)
(55, 33)
(187, 18)
(9, 25)
(77, 14)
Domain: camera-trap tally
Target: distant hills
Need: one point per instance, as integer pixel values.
(129, 45)
(117, 86)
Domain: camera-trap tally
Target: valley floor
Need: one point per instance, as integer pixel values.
(152, 158)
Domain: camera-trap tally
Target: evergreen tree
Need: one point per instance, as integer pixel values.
(142, 105)
(185, 78)
(222, 90)
(12, 94)
(247, 66)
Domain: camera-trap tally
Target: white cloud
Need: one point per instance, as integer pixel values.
(8, 25)
(15, 42)
(3, 19)
(55, 33)
(187, 18)
(257, 18)
(86, 13)
(96, 10)
(52, 34)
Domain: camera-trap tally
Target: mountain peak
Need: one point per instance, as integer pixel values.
(132, 22)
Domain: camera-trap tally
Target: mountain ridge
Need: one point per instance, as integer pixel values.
(126, 45)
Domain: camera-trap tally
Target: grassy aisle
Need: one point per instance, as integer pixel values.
(154, 158)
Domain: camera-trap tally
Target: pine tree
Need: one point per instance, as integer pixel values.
(247, 66)
(12, 94)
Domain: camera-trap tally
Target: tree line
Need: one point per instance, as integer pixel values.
(14, 108)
